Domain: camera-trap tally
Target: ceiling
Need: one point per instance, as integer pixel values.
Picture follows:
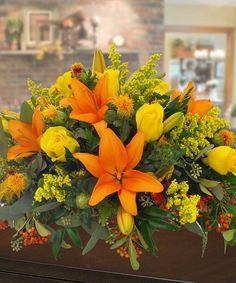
(202, 2)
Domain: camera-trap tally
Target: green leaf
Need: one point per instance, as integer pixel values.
(124, 131)
(133, 256)
(146, 233)
(218, 192)
(74, 221)
(26, 113)
(65, 245)
(205, 190)
(209, 183)
(19, 223)
(157, 212)
(58, 238)
(204, 151)
(47, 207)
(162, 224)
(74, 235)
(42, 230)
(104, 213)
(141, 239)
(99, 233)
(195, 228)
(119, 243)
(230, 209)
(18, 209)
(229, 235)
(231, 179)
(204, 243)
(3, 141)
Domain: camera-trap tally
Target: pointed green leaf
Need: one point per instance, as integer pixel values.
(119, 243)
(141, 239)
(205, 190)
(42, 230)
(26, 113)
(218, 192)
(229, 235)
(209, 183)
(57, 241)
(195, 228)
(133, 256)
(74, 235)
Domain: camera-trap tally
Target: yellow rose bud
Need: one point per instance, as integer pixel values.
(222, 159)
(172, 121)
(149, 119)
(54, 142)
(112, 81)
(125, 221)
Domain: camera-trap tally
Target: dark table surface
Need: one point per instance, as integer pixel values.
(179, 258)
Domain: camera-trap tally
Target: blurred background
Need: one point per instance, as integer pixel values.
(41, 39)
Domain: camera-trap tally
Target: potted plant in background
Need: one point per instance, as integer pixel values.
(14, 30)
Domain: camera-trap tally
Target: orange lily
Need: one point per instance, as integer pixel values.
(88, 106)
(201, 107)
(27, 136)
(114, 170)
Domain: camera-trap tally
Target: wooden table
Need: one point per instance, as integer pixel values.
(179, 258)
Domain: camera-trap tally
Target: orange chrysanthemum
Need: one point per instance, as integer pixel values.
(124, 105)
(224, 137)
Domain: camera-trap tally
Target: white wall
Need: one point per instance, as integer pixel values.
(196, 15)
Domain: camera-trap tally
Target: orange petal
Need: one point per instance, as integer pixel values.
(176, 93)
(106, 185)
(101, 90)
(135, 150)
(190, 86)
(19, 151)
(84, 96)
(137, 181)
(70, 101)
(201, 107)
(128, 201)
(112, 153)
(90, 162)
(84, 117)
(37, 122)
(22, 132)
(100, 127)
(102, 112)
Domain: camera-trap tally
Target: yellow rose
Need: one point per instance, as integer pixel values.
(54, 142)
(125, 221)
(222, 159)
(149, 119)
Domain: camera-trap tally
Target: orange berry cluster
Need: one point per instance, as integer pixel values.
(124, 251)
(224, 222)
(3, 225)
(32, 237)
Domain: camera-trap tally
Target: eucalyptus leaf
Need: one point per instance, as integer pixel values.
(195, 228)
(133, 256)
(57, 241)
(26, 113)
(74, 236)
(205, 190)
(42, 230)
(119, 243)
(229, 235)
(46, 207)
(209, 183)
(218, 192)
(141, 239)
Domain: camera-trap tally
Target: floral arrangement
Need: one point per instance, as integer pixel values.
(119, 157)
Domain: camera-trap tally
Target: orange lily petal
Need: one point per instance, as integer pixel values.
(102, 111)
(137, 181)
(22, 132)
(112, 153)
(101, 90)
(176, 93)
(128, 201)
(201, 107)
(84, 117)
(90, 162)
(100, 127)
(37, 122)
(106, 185)
(84, 96)
(70, 101)
(190, 86)
(135, 150)
(19, 151)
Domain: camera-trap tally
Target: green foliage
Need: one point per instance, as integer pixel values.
(3, 143)
(57, 241)
(74, 236)
(26, 113)
(88, 79)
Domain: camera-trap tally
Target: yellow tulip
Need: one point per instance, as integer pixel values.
(149, 119)
(222, 159)
(125, 221)
(54, 142)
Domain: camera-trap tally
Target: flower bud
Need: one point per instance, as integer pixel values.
(125, 221)
(82, 200)
(172, 121)
(98, 62)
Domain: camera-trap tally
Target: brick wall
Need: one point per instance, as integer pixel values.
(139, 22)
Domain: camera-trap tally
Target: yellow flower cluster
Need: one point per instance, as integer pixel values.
(194, 134)
(53, 187)
(144, 81)
(186, 205)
